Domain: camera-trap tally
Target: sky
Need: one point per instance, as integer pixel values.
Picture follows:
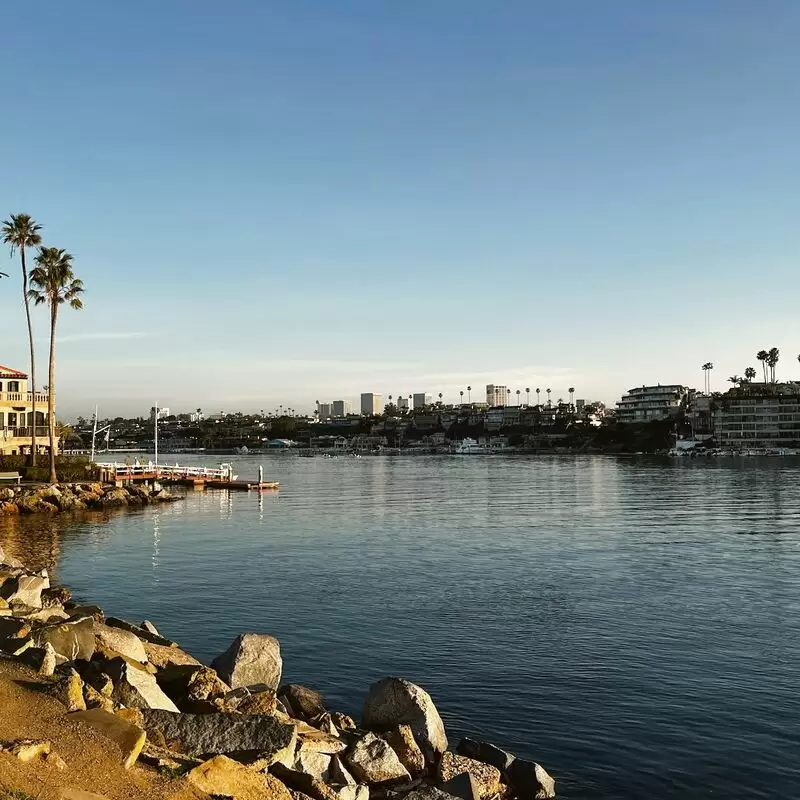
(282, 202)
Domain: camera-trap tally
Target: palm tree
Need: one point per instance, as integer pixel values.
(772, 362)
(735, 380)
(462, 396)
(749, 374)
(528, 395)
(54, 283)
(508, 397)
(707, 367)
(762, 356)
(517, 396)
(21, 231)
(571, 391)
(537, 395)
(440, 398)
(548, 397)
(469, 395)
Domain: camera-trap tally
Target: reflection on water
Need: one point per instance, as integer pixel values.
(633, 624)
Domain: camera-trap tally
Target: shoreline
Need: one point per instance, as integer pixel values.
(232, 727)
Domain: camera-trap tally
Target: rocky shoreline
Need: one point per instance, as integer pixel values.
(61, 497)
(234, 729)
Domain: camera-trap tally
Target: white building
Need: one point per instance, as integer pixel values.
(325, 411)
(421, 400)
(371, 404)
(496, 395)
(163, 412)
(647, 403)
(341, 408)
(196, 416)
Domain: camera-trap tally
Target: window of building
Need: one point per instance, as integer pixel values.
(13, 386)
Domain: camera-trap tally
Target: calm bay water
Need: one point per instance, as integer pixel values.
(632, 624)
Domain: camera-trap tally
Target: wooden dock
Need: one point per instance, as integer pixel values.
(221, 477)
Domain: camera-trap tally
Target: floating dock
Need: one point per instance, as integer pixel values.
(221, 477)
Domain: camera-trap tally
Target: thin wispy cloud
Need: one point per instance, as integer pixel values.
(99, 336)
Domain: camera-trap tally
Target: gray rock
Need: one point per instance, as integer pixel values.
(135, 687)
(212, 734)
(486, 752)
(394, 701)
(252, 658)
(120, 641)
(312, 762)
(26, 590)
(530, 779)
(72, 639)
(403, 743)
(194, 689)
(150, 628)
(304, 702)
(372, 760)
(302, 782)
(428, 793)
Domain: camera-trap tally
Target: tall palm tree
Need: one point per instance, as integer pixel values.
(440, 398)
(53, 283)
(528, 395)
(508, 397)
(517, 396)
(749, 374)
(571, 391)
(772, 362)
(469, 395)
(707, 367)
(762, 356)
(537, 395)
(21, 231)
(462, 396)
(548, 397)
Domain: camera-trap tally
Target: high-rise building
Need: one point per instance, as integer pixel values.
(325, 411)
(371, 404)
(402, 403)
(341, 408)
(421, 400)
(496, 395)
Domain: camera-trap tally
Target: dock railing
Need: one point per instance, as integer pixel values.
(119, 472)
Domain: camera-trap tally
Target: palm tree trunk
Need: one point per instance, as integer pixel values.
(51, 420)
(33, 356)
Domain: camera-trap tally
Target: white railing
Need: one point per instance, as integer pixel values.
(122, 471)
(23, 397)
(24, 433)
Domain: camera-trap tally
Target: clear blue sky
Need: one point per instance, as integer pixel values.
(278, 202)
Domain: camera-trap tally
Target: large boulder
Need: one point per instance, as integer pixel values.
(129, 737)
(145, 634)
(530, 779)
(223, 777)
(308, 785)
(252, 659)
(123, 642)
(487, 777)
(372, 761)
(68, 689)
(134, 687)
(72, 639)
(162, 657)
(214, 734)
(113, 498)
(486, 752)
(394, 701)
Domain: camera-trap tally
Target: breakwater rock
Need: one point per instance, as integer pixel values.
(237, 730)
(78, 497)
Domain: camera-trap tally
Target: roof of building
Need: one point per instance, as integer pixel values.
(7, 372)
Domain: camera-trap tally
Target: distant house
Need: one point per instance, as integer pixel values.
(647, 403)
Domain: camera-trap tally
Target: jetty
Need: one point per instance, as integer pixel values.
(220, 477)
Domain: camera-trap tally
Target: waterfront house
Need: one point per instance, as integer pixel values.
(647, 403)
(758, 416)
(16, 414)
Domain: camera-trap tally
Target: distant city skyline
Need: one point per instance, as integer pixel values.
(273, 203)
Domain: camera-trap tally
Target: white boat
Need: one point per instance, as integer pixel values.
(468, 447)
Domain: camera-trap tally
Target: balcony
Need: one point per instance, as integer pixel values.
(26, 398)
(42, 432)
